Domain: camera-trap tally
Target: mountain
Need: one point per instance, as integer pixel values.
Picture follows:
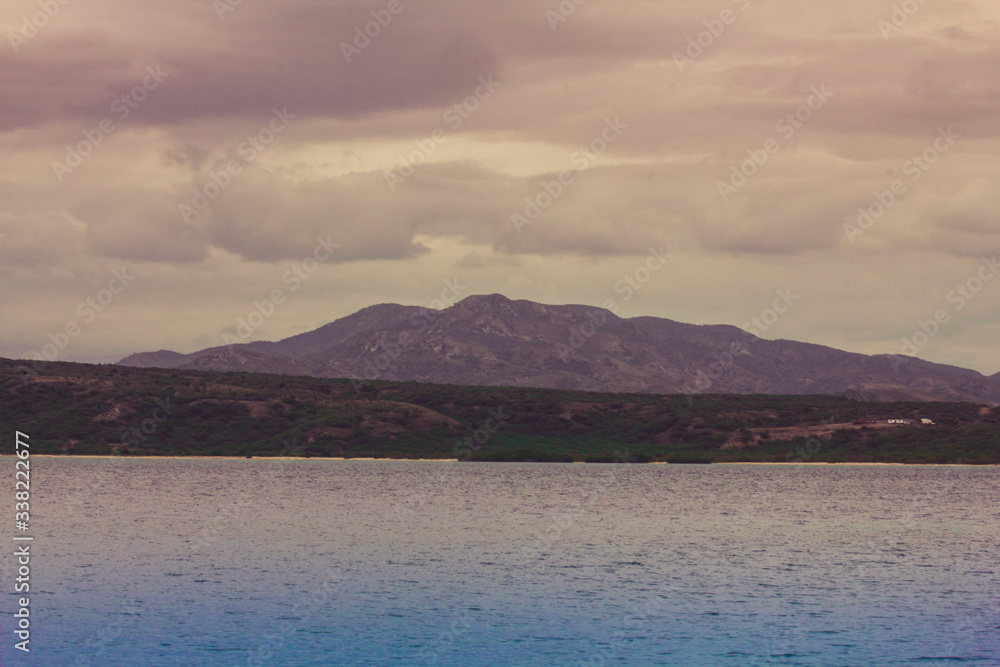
(158, 359)
(492, 340)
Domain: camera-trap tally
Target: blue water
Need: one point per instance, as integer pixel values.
(244, 562)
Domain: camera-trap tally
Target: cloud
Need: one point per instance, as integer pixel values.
(657, 183)
(264, 217)
(35, 239)
(259, 57)
(139, 225)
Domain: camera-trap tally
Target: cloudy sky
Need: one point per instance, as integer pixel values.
(181, 163)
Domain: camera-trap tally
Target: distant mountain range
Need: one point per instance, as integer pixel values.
(492, 340)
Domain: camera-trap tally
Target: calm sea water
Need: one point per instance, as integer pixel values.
(243, 562)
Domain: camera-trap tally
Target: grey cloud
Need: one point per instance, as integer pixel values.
(191, 156)
(265, 217)
(269, 55)
(609, 58)
(140, 226)
(30, 239)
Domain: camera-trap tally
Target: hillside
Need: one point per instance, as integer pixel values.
(105, 409)
(492, 340)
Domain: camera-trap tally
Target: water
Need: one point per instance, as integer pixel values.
(242, 562)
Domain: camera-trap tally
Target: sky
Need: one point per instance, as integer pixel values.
(170, 171)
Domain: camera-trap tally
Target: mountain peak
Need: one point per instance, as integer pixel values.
(488, 339)
(158, 359)
(484, 299)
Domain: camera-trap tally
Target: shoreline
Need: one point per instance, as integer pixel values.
(843, 463)
(340, 458)
(222, 458)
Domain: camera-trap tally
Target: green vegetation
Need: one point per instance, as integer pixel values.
(70, 408)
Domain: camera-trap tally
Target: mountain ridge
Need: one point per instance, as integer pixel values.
(491, 340)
